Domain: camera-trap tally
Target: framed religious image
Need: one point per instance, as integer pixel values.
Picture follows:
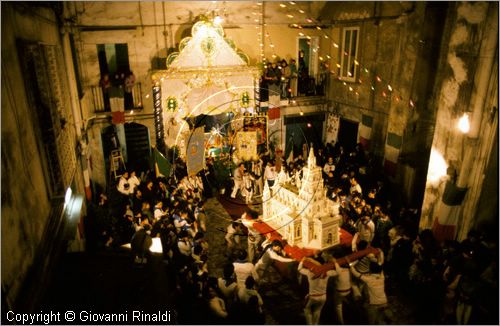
(246, 145)
(257, 123)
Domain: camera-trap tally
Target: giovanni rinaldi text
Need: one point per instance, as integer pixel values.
(85, 316)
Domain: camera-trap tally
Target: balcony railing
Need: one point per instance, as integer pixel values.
(101, 103)
(312, 85)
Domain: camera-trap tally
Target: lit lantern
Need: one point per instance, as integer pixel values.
(171, 103)
(437, 167)
(245, 100)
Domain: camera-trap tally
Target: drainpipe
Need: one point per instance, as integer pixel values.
(75, 107)
(449, 215)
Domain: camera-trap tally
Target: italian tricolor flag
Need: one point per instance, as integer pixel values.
(392, 149)
(365, 131)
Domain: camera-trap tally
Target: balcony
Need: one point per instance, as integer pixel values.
(310, 90)
(101, 104)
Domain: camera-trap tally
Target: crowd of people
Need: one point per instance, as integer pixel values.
(124, 82)
(448, 282)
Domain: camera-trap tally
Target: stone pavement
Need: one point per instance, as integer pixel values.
(284, 298)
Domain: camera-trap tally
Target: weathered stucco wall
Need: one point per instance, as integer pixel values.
(467, 51)
(25, 203)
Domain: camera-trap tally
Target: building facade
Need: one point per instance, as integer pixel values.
(395, 76)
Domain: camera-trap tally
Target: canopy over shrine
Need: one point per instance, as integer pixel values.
(208, 76)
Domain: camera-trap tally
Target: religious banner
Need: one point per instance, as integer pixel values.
(332, 128)
(195, 151)
(246, 145)
(257, 123)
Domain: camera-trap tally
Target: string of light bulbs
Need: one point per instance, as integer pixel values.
(293, 10)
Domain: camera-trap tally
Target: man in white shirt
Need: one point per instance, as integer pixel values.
(159, 213)
(184, 244)
(254, 237)
(328, 167)
(248, 291)
(342, 289)
(375, 285)
(133, 181)
(365, 231)
(233, 233)
(274, 251)
(257, 174)
(270, 174)
(316, 297)
(238, 179)
(355, 187)
(243, 268)
(247, 187)
(123, 185)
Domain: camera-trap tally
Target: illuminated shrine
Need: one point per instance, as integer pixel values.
(208, 76)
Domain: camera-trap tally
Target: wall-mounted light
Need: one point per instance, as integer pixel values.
(67, 196)
(464, 124)
(437, 167)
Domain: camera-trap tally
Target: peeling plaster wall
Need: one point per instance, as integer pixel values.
(454, 97)
(25, 203)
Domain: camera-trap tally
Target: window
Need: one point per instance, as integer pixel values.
(329, 240)
(349, 54)
(46, 88)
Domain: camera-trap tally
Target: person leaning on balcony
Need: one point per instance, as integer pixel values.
(285, 78)
(293, 78)
(105, 84)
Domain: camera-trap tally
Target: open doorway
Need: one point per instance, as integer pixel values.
(138, 147)
(348, 134)
(307, 65)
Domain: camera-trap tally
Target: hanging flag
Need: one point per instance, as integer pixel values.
(117, 117)
(273, 113)
(365, 131)
(195, 151)
(162, 165)
(392, 149)
(117, 110)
